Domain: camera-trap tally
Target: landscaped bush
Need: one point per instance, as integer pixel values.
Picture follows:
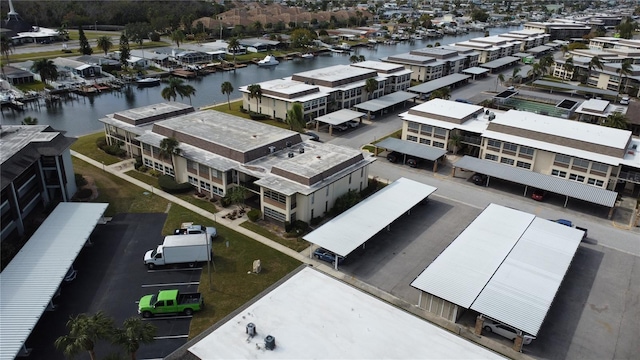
(316, 220)
(84, 194)
(225, 201)
(254, 215)
(243, 110)
(80, 180)
(138, 163)
(258, 116)
(345, 202)
(110, 149)
(287, 226)
(168, 184)
(101, 142)
(154, 173)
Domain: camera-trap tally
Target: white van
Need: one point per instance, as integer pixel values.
(624, 100)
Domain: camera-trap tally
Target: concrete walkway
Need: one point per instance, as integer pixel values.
(119, 169)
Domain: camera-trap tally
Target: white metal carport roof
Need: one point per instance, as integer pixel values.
(31, 279)
(436, 84)
(340, 117)
(357, 225)
(507, 265)
(412, 148)
(573, 189)
(386, 101)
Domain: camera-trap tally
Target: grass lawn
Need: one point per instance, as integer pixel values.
(86, 145)
(231, 285)
(296, 244)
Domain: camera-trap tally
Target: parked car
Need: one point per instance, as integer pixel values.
(353, 123)
(506, 331)
(341, 127)
(464, 101)
(313, 136)
(413, 162)
(479, 179)
(326, 255)
(538, 195)
(625, 100)
(394, 157)
(570, 224)
(511, 88)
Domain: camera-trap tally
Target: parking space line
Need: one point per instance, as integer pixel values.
(167, 317)
(171, 337)
(172, 284)
(167, 270)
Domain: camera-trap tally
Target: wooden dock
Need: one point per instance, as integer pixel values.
(186, 74)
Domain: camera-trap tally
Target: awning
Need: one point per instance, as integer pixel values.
(385, 101)
(340, 117)
(412, 148)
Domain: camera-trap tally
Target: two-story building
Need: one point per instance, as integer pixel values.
(292, 179)
(433, 63)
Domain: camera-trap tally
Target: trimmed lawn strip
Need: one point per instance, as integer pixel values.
(296, 244)
(86, 145)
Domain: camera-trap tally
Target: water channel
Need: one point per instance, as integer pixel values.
(80, 116)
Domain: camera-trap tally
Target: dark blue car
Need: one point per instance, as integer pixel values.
(326, 255)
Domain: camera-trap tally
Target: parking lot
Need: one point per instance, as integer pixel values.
(112, 278)
(595, 314)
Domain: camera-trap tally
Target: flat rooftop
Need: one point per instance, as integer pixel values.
(312, 315)
(379, 66)
(153, 112)
(440, 108)
(334, 73)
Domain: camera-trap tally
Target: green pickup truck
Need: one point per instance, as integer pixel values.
(170, 302)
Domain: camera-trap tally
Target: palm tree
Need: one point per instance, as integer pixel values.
(177, 36)
(568, 68)
(5, 48)
(104, 43)
(455, 141)
(354, 59)
(177, 87)
(295, 117)
(255, 91)
(234, 46)
(514, 75)
(226, 88)
(564, 49)
(84, 333)
(361, 58)
(593, 64)
(499, 79)
(616, 120)
(168, 148)
(370, 86)
(546, 62)
(625, 70)
(30, 121)
(442, 93)
(46, 68)
(134, 333)
(536, 70)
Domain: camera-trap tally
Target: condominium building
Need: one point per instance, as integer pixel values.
(291, 178)
(433, 63)
(36, 172)
(572, 150)
(560, 29)
(325, 90)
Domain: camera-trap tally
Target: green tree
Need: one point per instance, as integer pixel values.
(234, 46)
(625, 70)
(616, 120)
(295, 117)
(85, 48)
(175, 87)
(257, 27)
(479, 15)
(442, 93)
(255, 91)
(361, 58)
(125, 51)
(499, 79)
(177, 37)
(5, 49)
(568, 68)
(237, 195)
(626, 28)
(46, 68)
(84, 332)
(515, 74)
(30, 121)
(169, 148)
(226, 88)
(133, 333)
(302, 38)
(63, 33)
(455, 141)
(370, 86)
(354, 59)
(595, 63)
(104, 43)
(137, 32)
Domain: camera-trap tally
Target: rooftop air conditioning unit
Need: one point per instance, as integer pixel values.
(270, 342)
(251, 329)
(301, 151)
(290, 154)
(272, 149)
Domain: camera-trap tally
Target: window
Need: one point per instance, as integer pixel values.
(595, 182)
(440, 133)
(524, 165)
(273, 195)
(494, 144)
(193, 181)
(601, 168)
(426, 130)
(562, 160)
(491, 157)
(412, 138)
(509, 148)
(313, 198)
(576, 177)
(438, 144)
(559, 173)
(425, 141)
(506, 160)
(413, 126)
(580, 164)
(274, 214)
(327, 193)
(349, 179)
(526, 152)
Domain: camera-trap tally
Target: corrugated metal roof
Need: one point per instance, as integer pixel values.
(31, 279)
(412, 148)
(463, 269)
(386, 101)
(500, 62)
(588, 90)
(550, 183)
(436, 84)
(522, 290)
(357, 225)
(340, 117)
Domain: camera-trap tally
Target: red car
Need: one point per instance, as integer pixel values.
(538, 195)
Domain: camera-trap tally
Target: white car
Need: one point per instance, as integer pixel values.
(506, 331)
(353, 123)
(624, 101)
(341, 127)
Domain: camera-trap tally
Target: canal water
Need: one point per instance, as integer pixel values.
(80, 116)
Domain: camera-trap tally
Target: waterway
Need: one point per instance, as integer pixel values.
(80, 116)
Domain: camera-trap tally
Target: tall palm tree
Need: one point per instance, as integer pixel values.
(46, 68)
(536, 70)
(295, 117)
(442, 93)
(177, 36)
(255, 91)
(84, 332)
(515, 75)
(616, 120)
(625, 70)
(226, 88)
(500, 79)
(169, 148)
(568, 68)
(177, 87)
(455, 141)
(104, 43)
(354, 59)
(234, 46)
(370, 86)
(546, 62)
(134, 333)
(5, 49)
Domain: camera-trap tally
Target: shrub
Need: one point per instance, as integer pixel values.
(243, 110)
(101, 142)
(168, 184)
(154, 173)
(258, 116)
(254, 215)
(84, 194)
(143, 168)
(154, 36)
(287, 226)
(316, 220)
(300, 225)
(345, 202)
(225, 201)
(80, 180)
(139, 163)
